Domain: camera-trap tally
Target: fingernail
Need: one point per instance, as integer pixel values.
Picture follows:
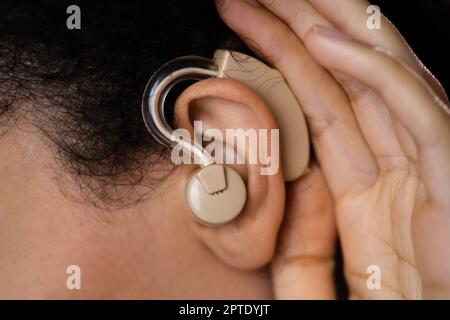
(332, 33)
(254, 3)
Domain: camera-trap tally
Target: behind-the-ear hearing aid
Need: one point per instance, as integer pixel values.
(216, 194)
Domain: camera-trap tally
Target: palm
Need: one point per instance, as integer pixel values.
(375, 228)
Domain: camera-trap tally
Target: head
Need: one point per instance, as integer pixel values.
(82, 180)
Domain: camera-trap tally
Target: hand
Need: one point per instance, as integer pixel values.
(381, 131)
(303, 265)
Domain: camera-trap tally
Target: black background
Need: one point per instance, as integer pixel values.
(426, 26)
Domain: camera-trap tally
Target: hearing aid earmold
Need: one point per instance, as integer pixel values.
(216, 194)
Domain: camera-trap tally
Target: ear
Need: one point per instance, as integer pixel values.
(248, 241)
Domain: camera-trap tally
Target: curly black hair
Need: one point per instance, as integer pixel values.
(82, 88)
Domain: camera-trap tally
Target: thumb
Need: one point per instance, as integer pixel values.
(304, 263)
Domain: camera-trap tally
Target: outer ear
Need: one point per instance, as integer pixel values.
(248, 241)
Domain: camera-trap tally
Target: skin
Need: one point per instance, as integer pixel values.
(152, 249)
(381, 183)
(381, 130)
(124, 254)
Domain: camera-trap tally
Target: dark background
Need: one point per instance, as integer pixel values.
(426, 26)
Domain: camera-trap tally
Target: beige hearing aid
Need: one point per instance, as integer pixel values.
(271, 86)
(216, 194)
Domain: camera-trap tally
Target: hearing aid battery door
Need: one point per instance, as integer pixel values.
(272, 87)
(216, 194)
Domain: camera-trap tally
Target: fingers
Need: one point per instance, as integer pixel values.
(343, 153)
(373, 117)
(351, 16)
(304, 264)
(381, 131)
(406, 95)
(299, 15)
(348, 15)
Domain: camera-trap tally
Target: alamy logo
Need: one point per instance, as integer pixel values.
(374, 20)
(238, 146)
(374, 279)
(74, 279)
(74, 20)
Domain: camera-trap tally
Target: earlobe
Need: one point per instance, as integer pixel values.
(249, 240)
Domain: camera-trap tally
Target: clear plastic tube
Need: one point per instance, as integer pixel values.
(155, 94)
